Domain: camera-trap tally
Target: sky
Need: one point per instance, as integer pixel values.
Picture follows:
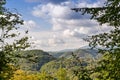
(53, 26)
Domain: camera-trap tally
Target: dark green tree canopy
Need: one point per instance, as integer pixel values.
(109, 13)
(10, 42)
(109, 66)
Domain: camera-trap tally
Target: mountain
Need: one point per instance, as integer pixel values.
(66, 59)
(83, 53)
(57, 54)
(35, 59)
(78, 52)
(54, 65)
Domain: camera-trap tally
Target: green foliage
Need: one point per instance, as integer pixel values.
(61, 74)
(53, 66)
(10, 44)
(2, 2)
(44, 76)
(109, 13)
(26, 75)
(36, 59)
(76, 69)
(59, 69)
(23, 75)
(83, 73)
(109, 65)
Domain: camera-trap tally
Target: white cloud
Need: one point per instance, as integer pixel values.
(69, 27)
(55, 41)
(74, 33)
(30, 24)
(62, 17)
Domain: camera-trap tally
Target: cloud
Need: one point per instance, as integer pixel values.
(74, 33)
(55, 41)
(56, 11)
(47, 40)
(61, 24)
(62, 17)
(68, 26)
(30, 24)
(39, 43)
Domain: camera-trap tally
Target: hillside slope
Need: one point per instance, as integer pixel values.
(78, 52)
(36, 58)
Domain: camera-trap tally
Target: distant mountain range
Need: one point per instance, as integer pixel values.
(78, 52)
(64, 58)
(37, 58)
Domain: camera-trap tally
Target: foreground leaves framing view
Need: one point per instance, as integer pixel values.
(105, 67)
(9, 50)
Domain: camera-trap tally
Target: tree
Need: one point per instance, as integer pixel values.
(61, 74)
(10, 42)
(44, 76)
(110, 42)
(82, 73)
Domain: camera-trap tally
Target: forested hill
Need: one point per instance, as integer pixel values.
(66, 59)
(78, 52)
(36, 58)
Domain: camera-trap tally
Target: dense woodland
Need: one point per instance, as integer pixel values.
(97, 63)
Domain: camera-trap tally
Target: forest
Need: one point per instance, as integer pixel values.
(99, 62)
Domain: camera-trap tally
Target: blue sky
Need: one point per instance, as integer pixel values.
(53, 26)
(24, 8)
